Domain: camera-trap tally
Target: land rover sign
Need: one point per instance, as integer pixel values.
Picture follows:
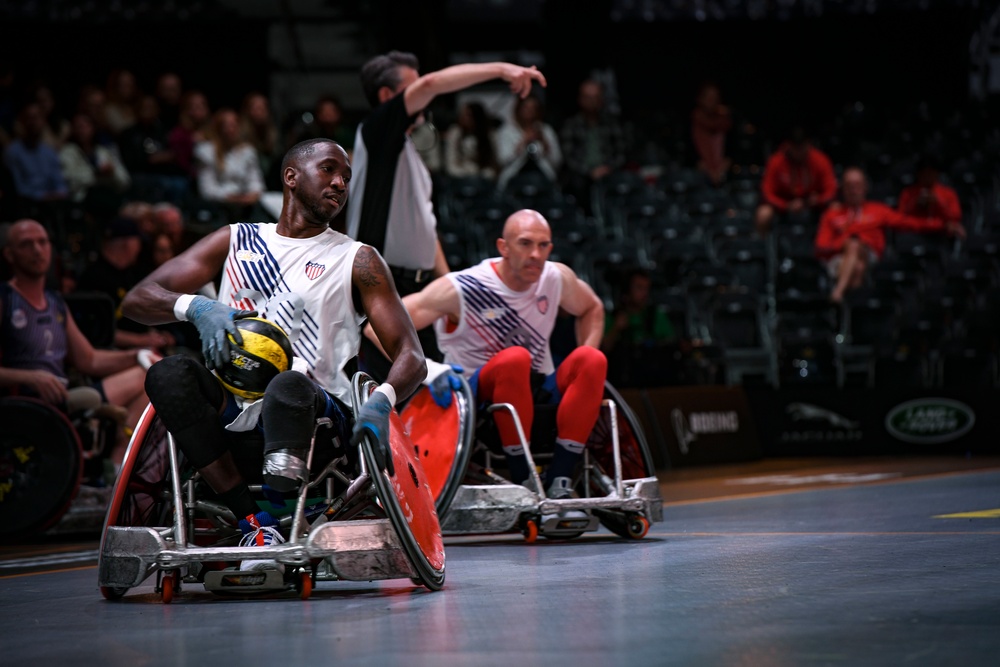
(930, 421)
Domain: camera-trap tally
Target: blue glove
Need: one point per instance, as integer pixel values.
(444, 386)
(442, 381)
(374, 418)
(213, 320)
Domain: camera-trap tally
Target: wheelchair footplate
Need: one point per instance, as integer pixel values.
(233, 581)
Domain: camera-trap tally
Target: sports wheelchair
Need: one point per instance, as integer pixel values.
(615, 485)
(350, 521)
(46, 455)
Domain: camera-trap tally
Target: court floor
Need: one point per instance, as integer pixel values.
(870, 563)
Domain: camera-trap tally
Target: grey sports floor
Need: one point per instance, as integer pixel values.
(864, 572)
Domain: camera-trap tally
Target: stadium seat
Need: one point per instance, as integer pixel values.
(737, 323)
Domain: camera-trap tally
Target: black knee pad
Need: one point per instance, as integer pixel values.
(292, 403)
(187, 398)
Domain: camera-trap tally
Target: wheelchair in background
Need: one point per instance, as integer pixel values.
(350, 521)
(53, 464)
(615, 484)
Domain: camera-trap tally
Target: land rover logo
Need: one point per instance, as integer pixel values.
(930, 421)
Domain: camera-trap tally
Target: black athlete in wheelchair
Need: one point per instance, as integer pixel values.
(254, 471)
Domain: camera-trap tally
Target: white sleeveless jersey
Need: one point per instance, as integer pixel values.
(493, 317)
(303, 285)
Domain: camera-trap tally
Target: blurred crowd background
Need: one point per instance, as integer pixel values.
(132, 129)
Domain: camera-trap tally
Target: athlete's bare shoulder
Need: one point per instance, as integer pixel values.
(370, 270)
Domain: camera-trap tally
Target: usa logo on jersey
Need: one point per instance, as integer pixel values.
(314, 270)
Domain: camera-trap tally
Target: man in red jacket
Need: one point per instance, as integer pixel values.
(928, 197)
(798, 179)
(850, 236)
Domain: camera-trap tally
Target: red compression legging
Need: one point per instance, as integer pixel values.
(580, 378)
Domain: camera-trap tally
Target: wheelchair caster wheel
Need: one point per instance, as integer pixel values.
(113, 593)
(530, 531)
(638, 526)
(304, 585)
(169, 585)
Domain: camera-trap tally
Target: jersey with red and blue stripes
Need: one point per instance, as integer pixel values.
(303, 286)
(493, 317)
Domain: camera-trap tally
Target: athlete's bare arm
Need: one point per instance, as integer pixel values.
(152, 300)
(94, 362)
(388, 320)
(439, 299)
(579, 299)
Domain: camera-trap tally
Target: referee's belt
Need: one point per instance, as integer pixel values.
(416, 276)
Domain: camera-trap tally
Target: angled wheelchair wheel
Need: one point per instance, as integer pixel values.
(443, 439)
(637, 460)
(141, 496)
(41, 464)
(405, 496)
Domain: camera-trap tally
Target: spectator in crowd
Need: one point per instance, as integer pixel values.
(114, 273)
(592, 142)
(162, 249)
(711, 121)
(798, 181)
(93, 102)
(851, 239)
(95, 174)
(33, 164)
(122, 94)
(636, 321)
(327, 123)
(258, 128)
(470, 144)
(525, 142)
(141, 212)
(41, 342)
(391, 199)
(227, 166)
(928, 197)
(192, 127)
(147, 157)
(168, 90)
(8, 106)
(55, 130)
(168, 218)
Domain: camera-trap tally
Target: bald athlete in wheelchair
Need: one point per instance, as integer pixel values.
(494, 323)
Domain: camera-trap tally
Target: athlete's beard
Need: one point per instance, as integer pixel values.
(316, 216)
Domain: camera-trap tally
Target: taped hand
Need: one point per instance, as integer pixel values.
(215, 321)
(442, 381)
(374, 418)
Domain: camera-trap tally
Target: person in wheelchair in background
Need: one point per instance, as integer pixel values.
(318, 286)
(41, 345)
(494, 322)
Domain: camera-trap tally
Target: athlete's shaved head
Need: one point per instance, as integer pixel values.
(524, 248)
(27, 248)
(303, 149)
(523, 220)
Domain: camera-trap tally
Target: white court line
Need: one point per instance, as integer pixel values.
(48, 561)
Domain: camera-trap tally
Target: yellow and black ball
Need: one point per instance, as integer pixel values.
(266, 351)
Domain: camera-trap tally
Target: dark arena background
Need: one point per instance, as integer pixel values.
(829, 464)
